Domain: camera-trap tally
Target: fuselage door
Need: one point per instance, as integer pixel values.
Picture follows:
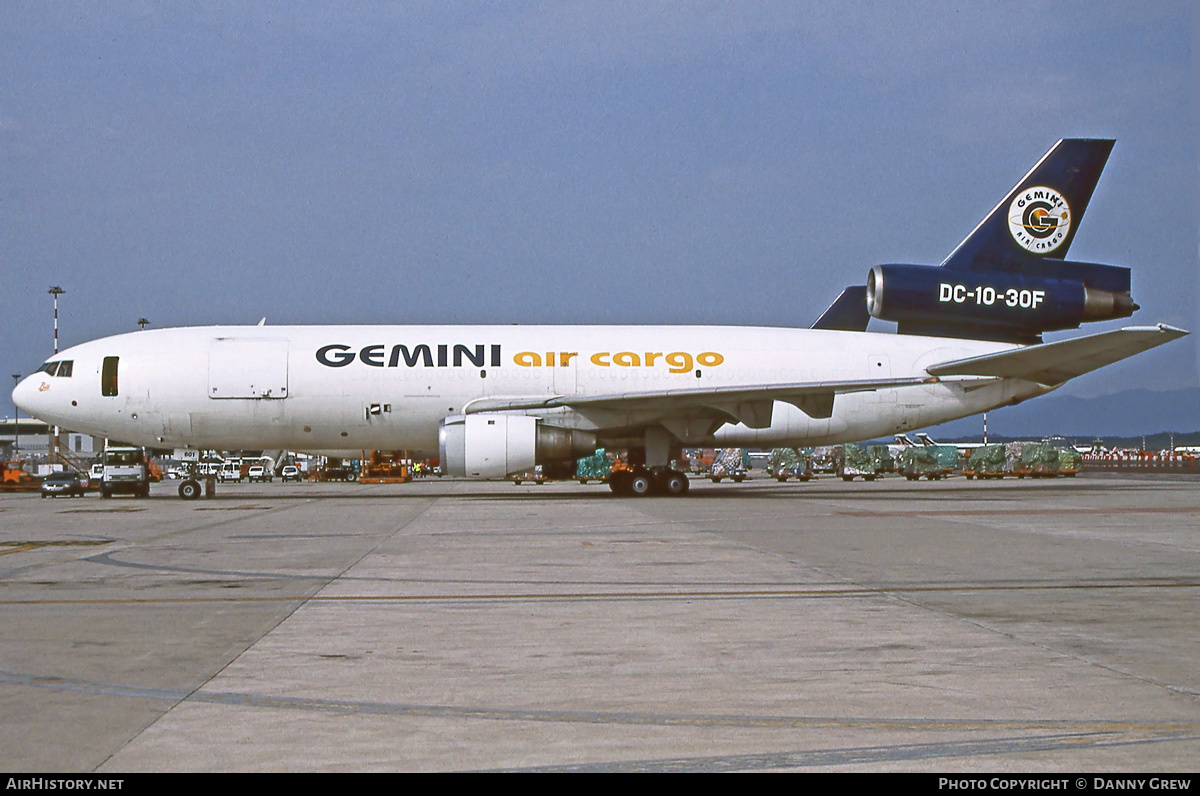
(879, 366)
(248, 369)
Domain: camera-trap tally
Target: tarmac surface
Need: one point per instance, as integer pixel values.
(951, 626)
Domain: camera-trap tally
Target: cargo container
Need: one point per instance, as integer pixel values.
(788, 463)
(729, 463)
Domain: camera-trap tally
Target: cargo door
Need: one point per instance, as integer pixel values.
(248, 369)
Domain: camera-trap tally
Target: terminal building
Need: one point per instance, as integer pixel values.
(30, 438)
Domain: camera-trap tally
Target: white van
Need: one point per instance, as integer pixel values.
(231, 470)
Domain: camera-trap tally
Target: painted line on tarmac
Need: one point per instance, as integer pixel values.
(1003, 512)
(1073, 727)
(707, 594)
(873, 755)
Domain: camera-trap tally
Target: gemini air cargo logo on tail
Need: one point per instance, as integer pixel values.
(1039, 219)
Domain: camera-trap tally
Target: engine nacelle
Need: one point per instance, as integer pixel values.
(990, 304)
(493, 445)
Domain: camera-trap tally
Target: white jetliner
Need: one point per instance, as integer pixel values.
(495, 400)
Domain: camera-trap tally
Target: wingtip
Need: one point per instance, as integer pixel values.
(1162, 328)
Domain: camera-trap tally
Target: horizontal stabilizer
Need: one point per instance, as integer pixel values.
(848, 312)
(1055, 363)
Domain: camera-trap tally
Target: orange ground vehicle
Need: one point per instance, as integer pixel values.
(14, 479)
(385, 467)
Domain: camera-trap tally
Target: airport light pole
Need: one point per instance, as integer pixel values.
(55, 291)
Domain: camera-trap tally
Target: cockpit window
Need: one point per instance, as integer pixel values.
(60, 367)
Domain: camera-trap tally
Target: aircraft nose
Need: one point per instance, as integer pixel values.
(27, 394)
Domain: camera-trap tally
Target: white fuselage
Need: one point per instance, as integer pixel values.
(387, 387)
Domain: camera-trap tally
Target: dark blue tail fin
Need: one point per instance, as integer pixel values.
(1039, 217)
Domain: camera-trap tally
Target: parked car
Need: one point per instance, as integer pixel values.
(259, 473)
(67, 483)
(291, 473)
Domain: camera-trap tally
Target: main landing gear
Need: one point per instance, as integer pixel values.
(648, 481)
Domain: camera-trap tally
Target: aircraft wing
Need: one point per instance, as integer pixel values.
(1049, 363)
(744, 404)
(1055, 363)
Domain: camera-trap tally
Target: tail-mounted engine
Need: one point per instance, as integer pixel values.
(997, 305)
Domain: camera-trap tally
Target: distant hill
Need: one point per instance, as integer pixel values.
(1124, 414)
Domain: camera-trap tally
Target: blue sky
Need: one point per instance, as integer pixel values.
(566, 162)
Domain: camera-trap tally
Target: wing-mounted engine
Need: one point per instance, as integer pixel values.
(493, 445)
